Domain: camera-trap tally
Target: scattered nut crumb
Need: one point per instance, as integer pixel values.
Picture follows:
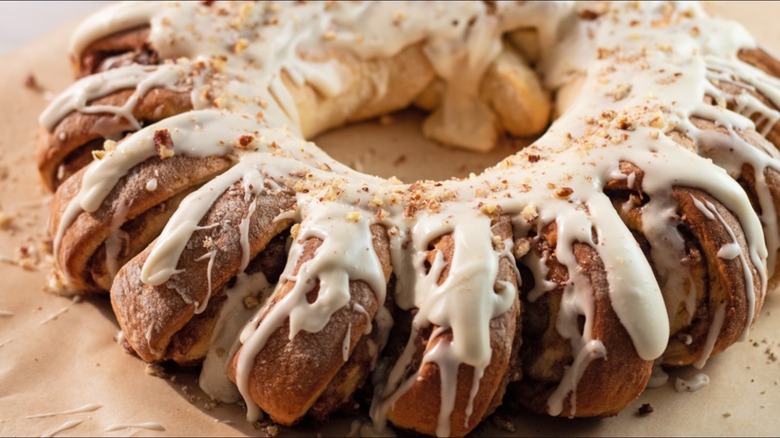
(564, 192)
(245, 141)
(31, 82)
(6, 220)
(521, 248)
(155, 370)
(503, 423)
(353, 216)
(645, 409)
(240, 45)
(251, 302)
(530, 212)
(163, 143)
(620, 92)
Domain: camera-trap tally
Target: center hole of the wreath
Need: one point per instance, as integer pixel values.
(393, 145)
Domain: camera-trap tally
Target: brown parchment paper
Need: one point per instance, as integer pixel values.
(58, 354)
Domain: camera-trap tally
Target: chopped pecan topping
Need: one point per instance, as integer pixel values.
(163, 143)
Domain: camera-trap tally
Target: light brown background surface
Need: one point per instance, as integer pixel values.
(57, 354)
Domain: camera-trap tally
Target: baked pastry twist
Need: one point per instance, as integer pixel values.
(641, 223)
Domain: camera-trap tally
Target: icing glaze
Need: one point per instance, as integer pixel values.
(70, 424)
(89, 407)
(692, 384)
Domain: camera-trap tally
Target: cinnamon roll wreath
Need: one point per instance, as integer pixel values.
(640, 227)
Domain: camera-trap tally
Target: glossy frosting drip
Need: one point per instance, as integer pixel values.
(643, 72)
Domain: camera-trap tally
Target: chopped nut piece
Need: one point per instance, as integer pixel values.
(31, 82)
(620, 92)
(155, 370)
(645, 409)
(504, 423)
(250, 302)
(245, 141)
(6, 220)
(398, 17)
(625, 124)
(658, 120)
(163, 143)
(109, 145)
(240, 45)
(530, 212)
(353, 216)
(564, 192)
(521, 248)
(488, 209)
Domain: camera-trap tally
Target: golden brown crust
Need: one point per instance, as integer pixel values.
(73, 139)
(715, 280)
(748, 177)
(608, 384)
(116, 50)
(151, 315)
(726, 285)
(129, 200)
(407, 73)
(418, 408)
(290, 375)
(189, 345)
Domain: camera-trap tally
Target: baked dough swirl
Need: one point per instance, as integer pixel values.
(641, 227)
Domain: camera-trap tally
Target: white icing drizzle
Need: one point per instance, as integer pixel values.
(116, 237)
(659, 377)
(200, 307)
(729, 251)
(90, 407)
(56, 314)
(122, 15)
(151, 185)
(693, 384)
(70, 424)
(346, 253)
(150, 425)
(749, 287)
(712, 336)
(224, 340)
(140, 78)
(606, 59)
(345, 345)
